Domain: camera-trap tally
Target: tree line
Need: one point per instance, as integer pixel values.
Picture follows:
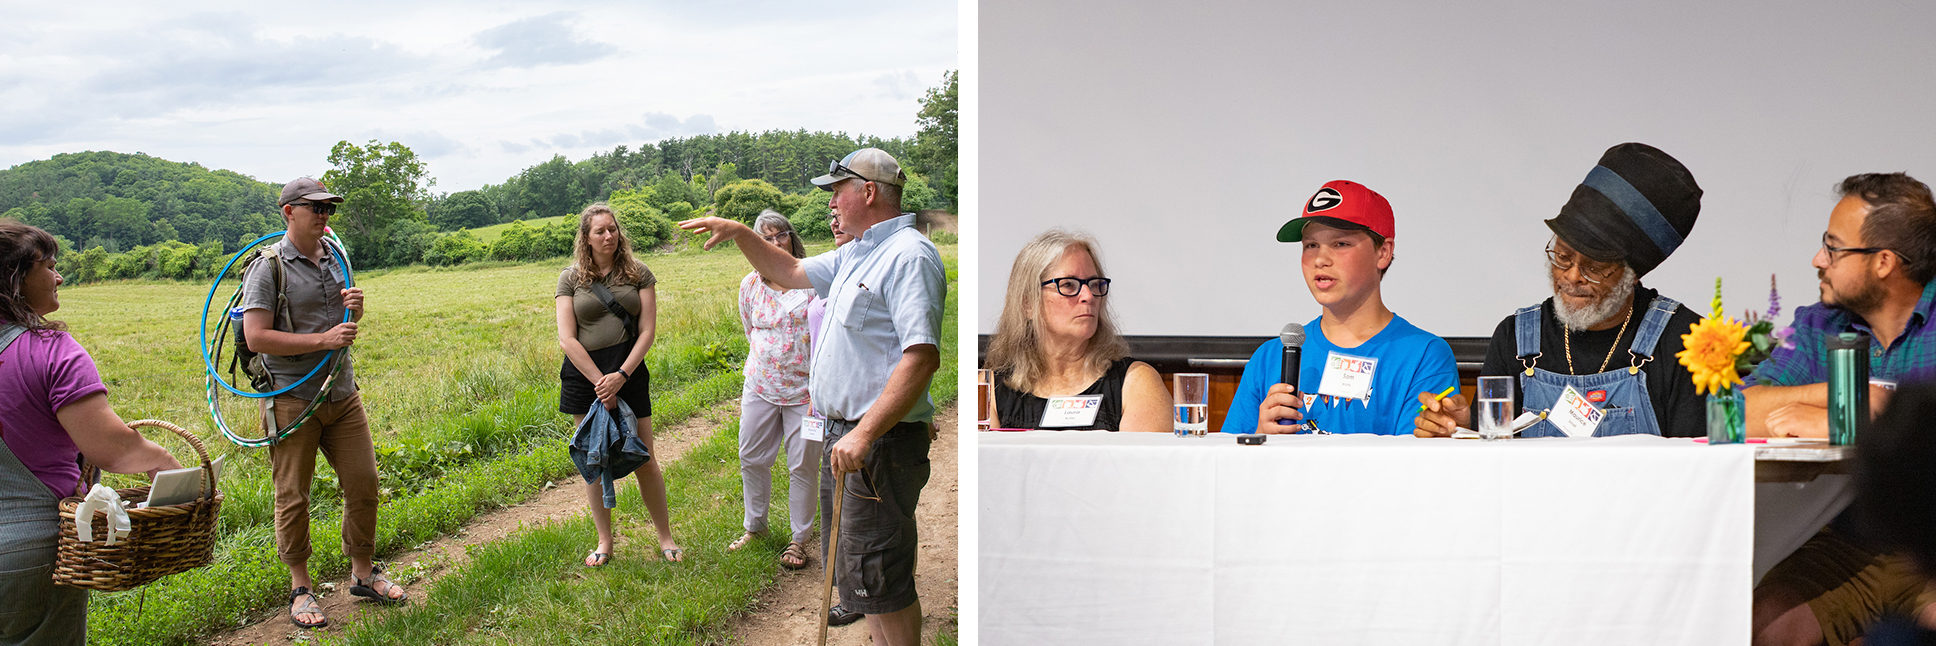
(122, 215)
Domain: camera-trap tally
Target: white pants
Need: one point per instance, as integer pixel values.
(763, 426)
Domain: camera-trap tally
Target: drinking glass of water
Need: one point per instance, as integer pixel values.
(984, 400)
(1192, 396)
(1495, 408)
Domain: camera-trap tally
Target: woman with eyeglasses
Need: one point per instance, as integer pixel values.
(1059, 363)
(773, 399)
(53, 410)
(605, 359)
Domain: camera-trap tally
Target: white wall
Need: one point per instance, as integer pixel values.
(1183, 134)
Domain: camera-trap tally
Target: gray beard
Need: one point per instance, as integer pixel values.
(1581, 318)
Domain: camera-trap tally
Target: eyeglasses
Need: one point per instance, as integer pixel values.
(1595, 275)
(834, 168)
(1071, 286)
(777, 237)
(321, 208)
(1832, 250)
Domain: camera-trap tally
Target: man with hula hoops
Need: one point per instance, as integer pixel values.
(293, 331)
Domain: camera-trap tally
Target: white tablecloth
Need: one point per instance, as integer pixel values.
(1111, 538)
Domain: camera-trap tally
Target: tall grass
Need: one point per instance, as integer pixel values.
(457, 369)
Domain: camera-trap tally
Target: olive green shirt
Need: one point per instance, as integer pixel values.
(597, 327)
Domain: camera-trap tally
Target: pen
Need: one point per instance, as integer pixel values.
(1448, 390)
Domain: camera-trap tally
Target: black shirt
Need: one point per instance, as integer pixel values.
(1022, 410)
(1679, 410)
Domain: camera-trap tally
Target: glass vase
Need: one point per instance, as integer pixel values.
(1726, 417)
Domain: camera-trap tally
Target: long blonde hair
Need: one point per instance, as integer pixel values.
(630, 270)
(1016, 348)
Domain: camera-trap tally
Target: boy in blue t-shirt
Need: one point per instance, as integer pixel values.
(1361, 366)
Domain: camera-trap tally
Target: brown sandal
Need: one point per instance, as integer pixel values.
(310, 607)
(797, 552)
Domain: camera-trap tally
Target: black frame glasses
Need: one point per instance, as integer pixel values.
(1832, 250)
(321, 208)
(1072, 286)
(1595, 276)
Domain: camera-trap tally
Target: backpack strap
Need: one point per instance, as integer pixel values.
(8, 333)
(611, 305)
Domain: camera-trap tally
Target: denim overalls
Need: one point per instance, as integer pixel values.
(1627, 406)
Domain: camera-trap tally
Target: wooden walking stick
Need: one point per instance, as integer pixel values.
(833, 555)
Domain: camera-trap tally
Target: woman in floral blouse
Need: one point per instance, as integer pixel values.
(773, 403)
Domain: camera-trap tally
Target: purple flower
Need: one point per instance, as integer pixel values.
(1783, 335)
(1774, 299)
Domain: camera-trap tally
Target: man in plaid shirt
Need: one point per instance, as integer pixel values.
(1876, 263)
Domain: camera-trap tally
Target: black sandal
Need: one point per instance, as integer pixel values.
(312, 608)
(367, 589)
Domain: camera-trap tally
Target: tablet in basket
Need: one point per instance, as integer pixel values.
(177, 486)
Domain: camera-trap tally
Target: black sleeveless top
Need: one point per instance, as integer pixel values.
(1022, 410)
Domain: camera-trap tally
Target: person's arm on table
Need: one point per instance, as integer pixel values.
(1147, 406)
(1797, 411)
(904, 386)
(773, 263)
(1437, 372)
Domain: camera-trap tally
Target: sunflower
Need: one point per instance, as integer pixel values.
(1711, 346)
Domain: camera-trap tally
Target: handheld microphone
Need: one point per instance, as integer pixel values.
(1293, 338)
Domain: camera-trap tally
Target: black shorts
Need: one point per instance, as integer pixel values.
(879, 540)
(575, 395)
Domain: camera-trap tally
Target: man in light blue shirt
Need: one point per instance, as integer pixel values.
(885, 294)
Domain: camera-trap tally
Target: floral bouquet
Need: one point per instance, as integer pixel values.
(1718, 349)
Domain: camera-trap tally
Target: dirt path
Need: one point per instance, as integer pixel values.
(418, 569)
(788, 614)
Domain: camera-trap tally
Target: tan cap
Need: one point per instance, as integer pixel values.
(871, 164)
(306, 189)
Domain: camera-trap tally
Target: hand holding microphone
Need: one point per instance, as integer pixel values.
(1281, 411)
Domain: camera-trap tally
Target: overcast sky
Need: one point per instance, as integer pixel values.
(479, 90)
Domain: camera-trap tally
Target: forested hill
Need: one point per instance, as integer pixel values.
(120, 200)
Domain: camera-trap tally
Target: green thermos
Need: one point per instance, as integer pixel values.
(1848, 386)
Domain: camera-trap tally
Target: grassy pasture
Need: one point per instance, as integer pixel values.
(458, 372)
(490, 234)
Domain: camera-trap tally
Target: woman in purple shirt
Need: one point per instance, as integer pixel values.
(53, 410)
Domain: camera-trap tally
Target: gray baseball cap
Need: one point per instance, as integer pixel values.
(306, 189)
(870, 164)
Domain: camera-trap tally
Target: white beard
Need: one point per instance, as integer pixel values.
(1581, 318)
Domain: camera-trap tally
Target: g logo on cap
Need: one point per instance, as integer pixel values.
(1327, 198)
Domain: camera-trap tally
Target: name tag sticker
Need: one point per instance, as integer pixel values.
(1066, 412)
(793, 298)
(813, 429)
(1346, 376)
(1574, 415)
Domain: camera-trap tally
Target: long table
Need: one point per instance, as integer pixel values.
(1112, 538)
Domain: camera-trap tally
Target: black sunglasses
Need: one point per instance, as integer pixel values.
(321, 208)
(1071, 286)
(834, 168)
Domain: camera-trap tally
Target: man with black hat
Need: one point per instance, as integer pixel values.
(293, 317)
(1632, 211)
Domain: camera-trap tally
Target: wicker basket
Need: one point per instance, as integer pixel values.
(161, 540)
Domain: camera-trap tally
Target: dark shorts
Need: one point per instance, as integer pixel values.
(575, 395)
(879, 542)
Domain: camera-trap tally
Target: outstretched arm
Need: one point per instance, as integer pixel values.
(774, 263)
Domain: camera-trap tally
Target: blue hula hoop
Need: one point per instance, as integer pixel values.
(333, 245)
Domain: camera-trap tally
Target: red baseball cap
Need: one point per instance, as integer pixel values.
(1343, 204)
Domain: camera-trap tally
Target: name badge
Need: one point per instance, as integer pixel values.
(1574, 415)
(1065, 412)
(812, 429)
(793, 298)
(1346, 376)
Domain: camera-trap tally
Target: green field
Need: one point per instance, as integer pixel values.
(458, 369)
(490, 234)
